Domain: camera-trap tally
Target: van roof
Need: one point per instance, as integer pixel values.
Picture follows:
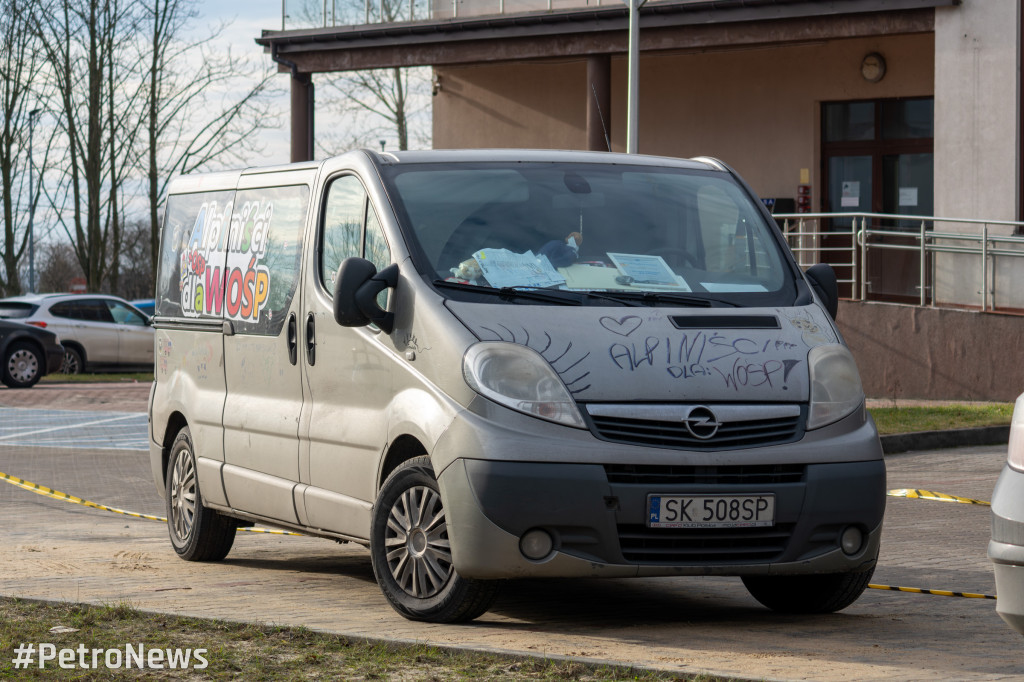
(228, 180)
(538, 156)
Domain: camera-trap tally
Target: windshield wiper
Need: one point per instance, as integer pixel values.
(508, 293)
(577, 296)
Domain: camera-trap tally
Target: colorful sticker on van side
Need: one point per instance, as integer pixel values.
(222, 268)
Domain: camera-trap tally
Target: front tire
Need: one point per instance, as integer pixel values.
(411, 553)
(825, 593)
(197, 532)
(23, 366)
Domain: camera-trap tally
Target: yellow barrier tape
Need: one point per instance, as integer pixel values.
(939, 593)
(915, 494)
(64, 497)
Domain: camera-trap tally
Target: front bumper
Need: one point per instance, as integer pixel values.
(598, 522)
(54, 358)
(1006, 549)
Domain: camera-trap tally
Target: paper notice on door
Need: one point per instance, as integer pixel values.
(851, 194)
(908, 196)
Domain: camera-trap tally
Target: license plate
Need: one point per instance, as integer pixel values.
(710, 511)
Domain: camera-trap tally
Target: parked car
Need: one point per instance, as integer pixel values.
(98, 331)
(1006, 549)
(146, 305)
(28, 353)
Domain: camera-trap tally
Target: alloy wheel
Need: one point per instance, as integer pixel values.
(416, 541)
(183, 494)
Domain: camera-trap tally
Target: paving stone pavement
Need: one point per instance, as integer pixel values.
(122, 396)
(53, 550)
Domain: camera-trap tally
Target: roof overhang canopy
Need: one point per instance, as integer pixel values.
(677, 26)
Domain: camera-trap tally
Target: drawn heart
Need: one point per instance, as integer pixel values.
(623, 326)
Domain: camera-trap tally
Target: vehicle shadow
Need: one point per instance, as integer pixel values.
(601, 604)
(350, 562)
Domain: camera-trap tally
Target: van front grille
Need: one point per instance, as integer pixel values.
(643, 545)
(667, 427)
(677, 474)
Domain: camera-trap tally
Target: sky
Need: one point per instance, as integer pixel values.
(246, 21)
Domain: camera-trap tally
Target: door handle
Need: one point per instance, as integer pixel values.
(293, 340)
(311, 340)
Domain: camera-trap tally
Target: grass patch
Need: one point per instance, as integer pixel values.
(239, 651)
(940, 417)
(115, 377)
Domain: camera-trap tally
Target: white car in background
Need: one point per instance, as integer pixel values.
(1006, 550)
(98, 331)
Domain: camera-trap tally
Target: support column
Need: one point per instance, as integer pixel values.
(302, 117)
(599, 102)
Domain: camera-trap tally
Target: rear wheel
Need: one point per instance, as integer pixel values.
(411, 553)
(823, 593)
(73, 362)
(23, 365)
(197, 533)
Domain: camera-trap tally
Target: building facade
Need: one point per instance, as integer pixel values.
(900, 107)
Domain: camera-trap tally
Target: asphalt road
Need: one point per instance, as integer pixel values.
(54, 550)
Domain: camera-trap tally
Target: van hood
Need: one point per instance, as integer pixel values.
(663, 354)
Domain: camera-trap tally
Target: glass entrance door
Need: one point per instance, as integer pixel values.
(877, 158)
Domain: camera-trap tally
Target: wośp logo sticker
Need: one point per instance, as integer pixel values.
(237, 286)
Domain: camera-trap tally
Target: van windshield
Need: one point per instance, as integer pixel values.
(654, 233)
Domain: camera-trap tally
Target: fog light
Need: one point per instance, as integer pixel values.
(851, 540)
(536, 544)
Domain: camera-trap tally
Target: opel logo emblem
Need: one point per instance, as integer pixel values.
(701, 423)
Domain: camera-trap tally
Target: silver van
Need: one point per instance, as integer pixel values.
(488, 365)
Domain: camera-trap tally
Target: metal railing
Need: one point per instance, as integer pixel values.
(305, 14)
(879, 232)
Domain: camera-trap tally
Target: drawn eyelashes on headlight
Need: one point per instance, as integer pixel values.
(567, 364)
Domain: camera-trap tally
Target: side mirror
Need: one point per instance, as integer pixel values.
(822, 279)
(355, 294)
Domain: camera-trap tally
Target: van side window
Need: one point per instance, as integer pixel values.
(182, 271)
(263, 247)
(342, 233)
(376, 249)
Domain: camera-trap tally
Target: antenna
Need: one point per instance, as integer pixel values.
(597, 101)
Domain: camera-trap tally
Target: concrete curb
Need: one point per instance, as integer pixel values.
(953, 438)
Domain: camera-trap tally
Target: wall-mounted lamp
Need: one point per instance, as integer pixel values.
(872, 67)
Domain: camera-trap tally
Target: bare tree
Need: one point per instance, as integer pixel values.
(125, 95)
(376, 103)
(85, 43)
(136, 280)
(58, 267)
(185, 131)
(138, 105)
(383, 93)
(19, 78)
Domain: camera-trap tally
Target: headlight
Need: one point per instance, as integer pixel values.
(519, 378)
(1015, 453)
(835, 385)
